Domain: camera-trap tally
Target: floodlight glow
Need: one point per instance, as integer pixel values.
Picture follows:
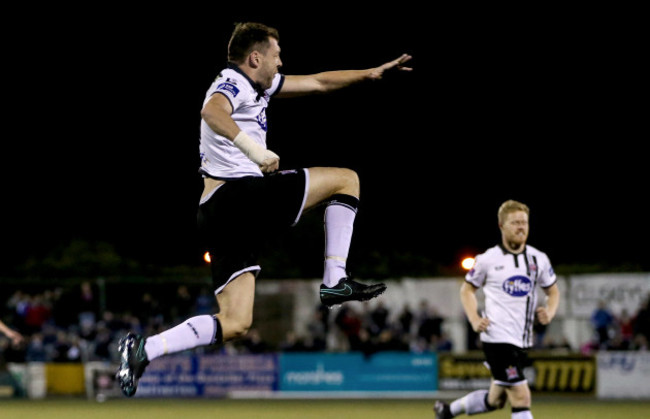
(467, 263)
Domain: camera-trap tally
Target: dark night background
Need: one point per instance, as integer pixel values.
(102, 122)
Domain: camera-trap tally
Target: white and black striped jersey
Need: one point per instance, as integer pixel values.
(220, 158)
(509, 283)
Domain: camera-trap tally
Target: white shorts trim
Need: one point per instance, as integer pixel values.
(255, 268)
(507, 384)
(304, 197)
(208, 196)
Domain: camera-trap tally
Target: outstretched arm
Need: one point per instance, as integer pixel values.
(334, 80)
(15, 337)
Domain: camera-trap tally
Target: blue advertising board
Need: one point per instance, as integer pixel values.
(208, 375)
(384, 371)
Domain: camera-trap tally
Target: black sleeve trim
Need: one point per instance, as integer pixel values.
(224, 95)
(471, 283)
(549, 286)
(279, 85)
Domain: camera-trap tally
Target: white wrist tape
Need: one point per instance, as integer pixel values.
(252, 150)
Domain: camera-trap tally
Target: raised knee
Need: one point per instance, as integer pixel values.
(352, 176)
(351, 181)
(234, 328)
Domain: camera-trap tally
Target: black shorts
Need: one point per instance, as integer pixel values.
(235, 221)
(506, 362)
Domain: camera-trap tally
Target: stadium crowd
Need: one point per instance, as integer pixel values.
(69, 326)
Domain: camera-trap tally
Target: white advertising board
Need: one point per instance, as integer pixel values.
(623, 375)
(618, 291)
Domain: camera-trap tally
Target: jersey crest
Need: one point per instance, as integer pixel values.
(261, 119)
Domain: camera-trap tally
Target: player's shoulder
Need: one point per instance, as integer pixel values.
(489, 257)
(229, 75)
(491, 253)
(230, 81)
(533, 251)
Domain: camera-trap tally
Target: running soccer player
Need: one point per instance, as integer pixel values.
(509, 274)
(247, 200)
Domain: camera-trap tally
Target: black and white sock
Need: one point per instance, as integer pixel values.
(194, 332)
(339, 220)
(472, 403)
(521, 413)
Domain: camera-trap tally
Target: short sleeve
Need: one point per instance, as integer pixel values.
(231, 89)
(476, 276)
(276, 85)
(547, 275)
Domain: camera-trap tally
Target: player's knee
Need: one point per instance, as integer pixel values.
(353, 177)
(350, 181)
(520, 400)
(240, 328)
(496, 402)
(499, 404)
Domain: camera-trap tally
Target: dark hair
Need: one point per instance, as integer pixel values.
(247, 37)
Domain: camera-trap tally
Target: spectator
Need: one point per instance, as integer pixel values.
(364, 343)
(61, 347)
(601, 320)
(88, 303)
(642, 319)
(183, 305)
(102, 344)
(324, 316)
(443, 343)
(37, 313)
(405, 319)
(18, 304)
(65, 310)
(204, 302)
(75, 350)
(430, 325)
(626, 326)
(12, 352)
(36, 349)
(640, 343)
(388, 341)
(378, 318)
(317, 332)
(292, 343)
(253, 342)
(112, 323)
(349, 324)
(149, 311)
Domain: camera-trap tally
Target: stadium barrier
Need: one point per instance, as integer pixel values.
(623, 375)
(546, 373)
(608, 375)
(354, 372)
(266, 375)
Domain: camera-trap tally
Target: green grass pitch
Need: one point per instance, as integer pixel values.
(303, 409)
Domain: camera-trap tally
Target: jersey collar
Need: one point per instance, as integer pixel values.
(255, 85)
(506, 251)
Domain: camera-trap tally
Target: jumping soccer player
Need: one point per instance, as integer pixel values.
(509, 274)
(247, 200)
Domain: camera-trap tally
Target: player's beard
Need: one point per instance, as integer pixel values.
(516, 246)
(517, 241)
